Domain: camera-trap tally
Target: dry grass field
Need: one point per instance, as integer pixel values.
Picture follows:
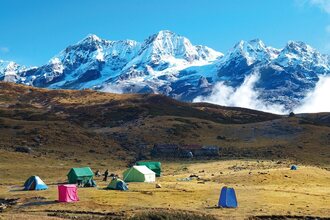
(264, 188)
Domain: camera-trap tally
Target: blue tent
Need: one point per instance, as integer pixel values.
(294, 167)
(122, 186)
(35, 183)
(227, 198)
(117, 184)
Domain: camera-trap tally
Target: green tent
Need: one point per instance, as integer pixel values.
(81, 174)
(139, 174)
(117, 184)
(154, 166)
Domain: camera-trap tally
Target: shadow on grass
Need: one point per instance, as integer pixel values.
(39, 203)
(213, 207)
(21, 189)
(17, 190)
(169, 215)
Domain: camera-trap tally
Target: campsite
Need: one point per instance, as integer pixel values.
(262, 188)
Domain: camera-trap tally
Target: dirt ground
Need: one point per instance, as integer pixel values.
(263, 188)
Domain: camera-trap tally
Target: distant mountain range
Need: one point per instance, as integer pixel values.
(167, 63)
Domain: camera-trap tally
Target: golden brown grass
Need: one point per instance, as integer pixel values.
(262, 187)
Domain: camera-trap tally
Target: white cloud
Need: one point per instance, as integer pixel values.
(4, 49)
(323, 4)
(317, 100)
(243, 96)
(246, 96)
(327, 29)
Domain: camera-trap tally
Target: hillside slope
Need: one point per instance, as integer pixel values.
(79, 125)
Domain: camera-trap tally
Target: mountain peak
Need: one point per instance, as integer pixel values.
(165, 33)
(257, 43)
(251, 51)
(299, 47)
(298, 53)
(167, 43)
(250, 45)
(293, 43)
(167, 48)
(90, 38)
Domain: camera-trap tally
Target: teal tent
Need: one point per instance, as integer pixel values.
(81, 175)
(154, 166)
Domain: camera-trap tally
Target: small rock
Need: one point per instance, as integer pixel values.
(193, 175)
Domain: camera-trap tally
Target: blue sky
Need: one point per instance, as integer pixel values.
(34, 31)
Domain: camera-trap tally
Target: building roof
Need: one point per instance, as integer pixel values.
(191, 146)
(166, 146)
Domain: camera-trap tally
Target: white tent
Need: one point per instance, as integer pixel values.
(139, 174)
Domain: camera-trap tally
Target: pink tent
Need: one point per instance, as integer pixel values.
(67, 193)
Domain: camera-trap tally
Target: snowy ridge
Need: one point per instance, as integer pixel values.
(166, 47)
(251, 52)
(298, 53)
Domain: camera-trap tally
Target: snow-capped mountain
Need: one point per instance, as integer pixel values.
(170, 64)
(9, 71)
(285, 76)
